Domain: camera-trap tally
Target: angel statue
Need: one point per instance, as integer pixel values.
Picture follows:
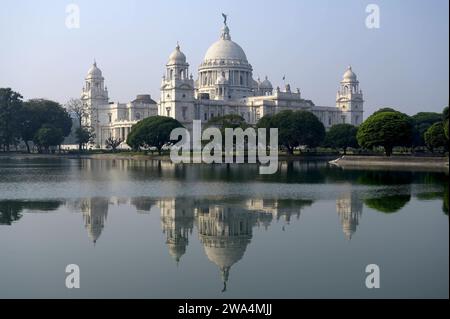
(224, 18)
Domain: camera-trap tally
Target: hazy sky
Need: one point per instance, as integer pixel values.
(404, 63)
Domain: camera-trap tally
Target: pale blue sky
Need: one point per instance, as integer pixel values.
(404, 64)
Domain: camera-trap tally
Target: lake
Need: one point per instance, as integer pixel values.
(152, 229)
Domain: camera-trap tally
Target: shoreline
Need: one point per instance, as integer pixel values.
(125, 156)
(393, 162)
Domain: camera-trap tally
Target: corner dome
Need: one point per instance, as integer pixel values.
(266, 84)
(94, 71)
(177, 57)
(349, 75)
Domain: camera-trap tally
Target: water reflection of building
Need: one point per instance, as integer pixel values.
(225, 234)
(142, 204)
(177, 222)
(278, 208)
(349, 208)
(95, 211)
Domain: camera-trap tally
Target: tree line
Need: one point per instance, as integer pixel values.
(297, 130)
(40, 122)
(46, 123)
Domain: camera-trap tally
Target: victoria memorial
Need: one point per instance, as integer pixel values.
(224, 85)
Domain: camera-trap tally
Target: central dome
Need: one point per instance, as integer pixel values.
(225, 49)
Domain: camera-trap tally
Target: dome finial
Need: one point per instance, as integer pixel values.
(95, 62)
(224, 18)
(178, 46)
(225, 31)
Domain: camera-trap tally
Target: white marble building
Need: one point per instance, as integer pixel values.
(111, 119)
(224, 85)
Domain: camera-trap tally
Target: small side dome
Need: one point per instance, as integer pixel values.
(266, 84)
(94, 71)
(177, 57)
(349, 75)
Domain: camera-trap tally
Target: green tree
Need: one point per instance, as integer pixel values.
(435, 137)
(445, 117)
(341, 136)
(445, 113)
(228, 121)
(38, 113)
(152, 131)
(422, 122)
(84, 135)
(47, 136)
(295, 128)
(10, 109)
(446, 129)
(232, 121)
(30, 122)
(384, 109)
(386, 129)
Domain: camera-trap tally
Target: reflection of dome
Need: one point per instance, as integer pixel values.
(94, 71)
(176, 222)
(176, 250)
(225, 236)
(349, 228)
(95, 211)
(226, 50)
(177, 57)
(349, 209)
(349, 75)
(227, 255)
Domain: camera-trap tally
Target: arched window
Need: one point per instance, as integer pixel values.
(241, 80)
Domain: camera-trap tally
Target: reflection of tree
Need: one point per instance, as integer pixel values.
(385, 178)
(388, 204)
(11, 210)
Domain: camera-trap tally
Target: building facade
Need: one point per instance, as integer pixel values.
(111, 119)
(224, 85)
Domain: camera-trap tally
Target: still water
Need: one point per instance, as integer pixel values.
(151, 229)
